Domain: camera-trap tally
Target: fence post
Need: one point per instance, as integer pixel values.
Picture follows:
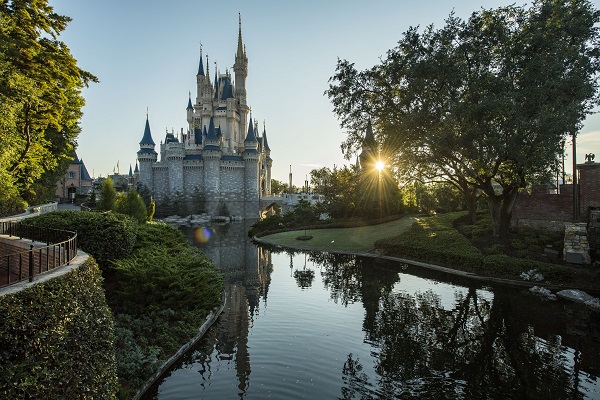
(30, 263)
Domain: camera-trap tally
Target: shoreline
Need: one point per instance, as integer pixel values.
(435, 267)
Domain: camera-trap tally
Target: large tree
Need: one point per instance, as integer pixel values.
(483, 103)
(40, 97)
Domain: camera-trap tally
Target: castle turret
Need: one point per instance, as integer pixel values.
(268, 161)
(211, 156)
(147, 156)
(200, 79)
(190, 115)
(251, 158)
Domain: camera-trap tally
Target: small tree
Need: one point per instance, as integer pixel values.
(150, 210)
(131, 204)
(108, 195)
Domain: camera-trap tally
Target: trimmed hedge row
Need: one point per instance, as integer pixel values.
(57, 339)
(433, 239)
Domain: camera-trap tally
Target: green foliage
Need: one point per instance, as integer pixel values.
(434, 239)
(40, 99)
(506, 265)
(108, 195)
(160, 295)
(131, 204)
(483, 102)
(150, 210)
(160, 278)
(303, 214)
(57, 339)
(106, 236)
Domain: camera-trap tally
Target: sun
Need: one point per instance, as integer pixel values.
(379, 165)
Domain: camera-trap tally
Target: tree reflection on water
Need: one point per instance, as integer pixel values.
(476, 349)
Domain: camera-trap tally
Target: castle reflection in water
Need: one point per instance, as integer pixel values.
(246, 271)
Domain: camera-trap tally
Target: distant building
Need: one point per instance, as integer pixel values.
(221, 157)
(77, 180)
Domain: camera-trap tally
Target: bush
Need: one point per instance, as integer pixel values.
(160, 278)
(106, 236)
(57, 339)
(434, 239)
(131, 204)
(503, 264)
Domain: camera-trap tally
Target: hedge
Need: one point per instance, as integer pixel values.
(106, 236)
(433, 239)
(57, 339)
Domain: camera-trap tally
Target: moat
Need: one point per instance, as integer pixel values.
(322, 326)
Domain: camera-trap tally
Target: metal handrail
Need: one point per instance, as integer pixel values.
(60, 249)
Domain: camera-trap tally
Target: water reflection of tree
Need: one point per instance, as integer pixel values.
(305, 276)
(475, 350)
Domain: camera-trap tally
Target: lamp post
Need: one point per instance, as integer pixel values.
(575, 188)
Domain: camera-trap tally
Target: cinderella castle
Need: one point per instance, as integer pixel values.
(222, 156)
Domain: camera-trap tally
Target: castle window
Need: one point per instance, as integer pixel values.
(71, 175)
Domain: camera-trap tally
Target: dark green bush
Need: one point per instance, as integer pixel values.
(157, 278)
(506, 265)
(433, 239)
(106, 236)
(57, 340)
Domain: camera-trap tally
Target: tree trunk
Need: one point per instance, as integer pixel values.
(501, 207)
(471, 200)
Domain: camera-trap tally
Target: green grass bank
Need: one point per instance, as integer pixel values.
(448, 240)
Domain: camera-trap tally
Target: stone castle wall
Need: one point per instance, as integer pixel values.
(188, 180)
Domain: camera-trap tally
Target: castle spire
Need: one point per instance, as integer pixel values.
(240, 46)
(200, 66)
(147, 138)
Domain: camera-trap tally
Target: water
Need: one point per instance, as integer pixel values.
(320, 326)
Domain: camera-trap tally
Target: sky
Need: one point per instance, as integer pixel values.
(146, 53)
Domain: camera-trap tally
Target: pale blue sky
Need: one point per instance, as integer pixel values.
(146, 54)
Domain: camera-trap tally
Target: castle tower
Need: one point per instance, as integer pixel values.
(268, 162)
(147, 156)
(251, 158)
(240, 68)
(190, 117)
(211, 155)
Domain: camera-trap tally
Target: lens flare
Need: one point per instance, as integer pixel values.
(202, 235)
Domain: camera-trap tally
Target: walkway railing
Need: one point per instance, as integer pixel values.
(16, 266)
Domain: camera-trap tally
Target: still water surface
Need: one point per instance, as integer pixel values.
(321, 326)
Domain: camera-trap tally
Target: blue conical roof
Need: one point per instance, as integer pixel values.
(136, 170)
(189, 106)
(200, 66)
(130, 171)
(147, 138)
(227, 89)
(212, 132)
(266, 144)
(250, 137)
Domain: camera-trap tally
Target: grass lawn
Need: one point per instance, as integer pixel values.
(359, 239)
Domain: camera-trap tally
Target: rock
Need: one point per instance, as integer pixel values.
(579, 296)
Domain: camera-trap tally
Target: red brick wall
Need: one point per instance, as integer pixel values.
(589, 187)
(559, 207)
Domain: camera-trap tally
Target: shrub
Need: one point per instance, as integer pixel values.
(106, 236)
(506, 265)
(434, 239)
(108, 194)
(131, 204)
(57, 339)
